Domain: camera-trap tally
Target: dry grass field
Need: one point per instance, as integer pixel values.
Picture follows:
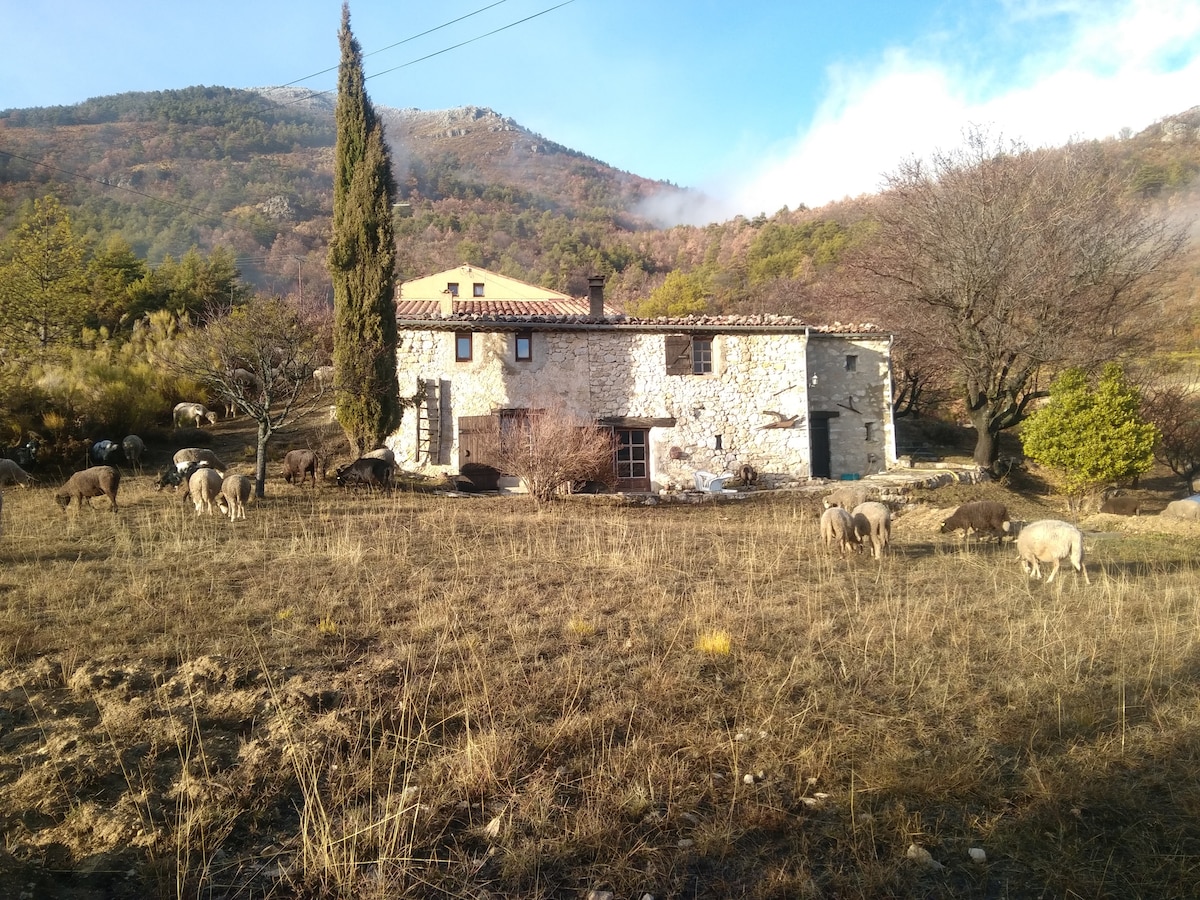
(362, 696)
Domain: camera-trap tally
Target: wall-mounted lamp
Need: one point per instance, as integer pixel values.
(813, 381)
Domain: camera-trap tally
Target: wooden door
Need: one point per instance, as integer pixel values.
(631, 459)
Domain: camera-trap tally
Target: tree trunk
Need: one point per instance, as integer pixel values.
(987, 439)
(260, 460)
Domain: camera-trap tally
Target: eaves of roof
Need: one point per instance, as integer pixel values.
(692, 324)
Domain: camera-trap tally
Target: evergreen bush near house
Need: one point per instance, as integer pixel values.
(1091, 436)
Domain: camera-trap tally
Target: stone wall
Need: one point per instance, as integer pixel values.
(720, 420)
(862, 434)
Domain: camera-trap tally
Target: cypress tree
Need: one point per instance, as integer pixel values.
(362, 261)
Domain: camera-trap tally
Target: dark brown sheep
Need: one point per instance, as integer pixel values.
(1121, 506)
(366, 471)
(98, 481)
(299, 465)
(980, 516)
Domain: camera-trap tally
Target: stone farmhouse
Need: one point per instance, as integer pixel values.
(682, 396)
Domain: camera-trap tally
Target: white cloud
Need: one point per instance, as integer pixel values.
(1130, 67)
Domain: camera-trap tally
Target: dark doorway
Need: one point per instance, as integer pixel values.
(821, 456)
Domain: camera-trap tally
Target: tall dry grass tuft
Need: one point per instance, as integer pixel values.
(420, 696)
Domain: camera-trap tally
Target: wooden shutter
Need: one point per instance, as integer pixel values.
(478, 440)
(679, 354)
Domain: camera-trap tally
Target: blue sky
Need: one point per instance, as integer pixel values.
(758, 103)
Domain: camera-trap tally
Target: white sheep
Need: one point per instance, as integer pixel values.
(323, 376)
(192, 415)
(381, 453)
(873, 521)
(204, 487)
(235, 494)
(838, 528)
(1188, 508)
(197, 456)
(11, 473)
(1050, 541)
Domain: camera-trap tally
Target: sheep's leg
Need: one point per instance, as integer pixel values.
(1053, 571)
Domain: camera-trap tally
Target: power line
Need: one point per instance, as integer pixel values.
(471, 40)
(399, 43)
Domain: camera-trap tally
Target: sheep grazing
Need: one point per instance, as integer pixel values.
(847, 496)
(299, 465)
(204, 487)
(381, 453)
(98, 481)
(366, 471)
(235, 494)
(197, 456)
(134, 448)
(873, 522)
(1188, 508)
(192, 415)
(11, 473)
(172, 478)
(1050, 541)
(980, 516)
(838, 528)
(1121, 506)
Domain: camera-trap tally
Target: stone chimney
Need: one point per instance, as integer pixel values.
(446, 306)
(596, 296)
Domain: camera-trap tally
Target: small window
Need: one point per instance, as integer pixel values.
(689, 355)
(851, 363)
(462, 347)
(870, 427)
(452, 288)
(524, 346)
(477, 289)
(702, 356)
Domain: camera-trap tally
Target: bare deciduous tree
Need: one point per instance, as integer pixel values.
(1175, 409)
(260, 356)
(550, 448)
(1016, 263)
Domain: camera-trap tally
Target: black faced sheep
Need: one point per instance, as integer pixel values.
(98, 481)
(134, 448)
(23, 455)
(299, 465)
(979, 516)
(1050, 541)
(366, 471)
(837, 528)
(873, 522)
(235, 494)
(105, 453)
(11, 473)
(203, 489)
(1121, 506)
(192, 415)
(197, 456)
